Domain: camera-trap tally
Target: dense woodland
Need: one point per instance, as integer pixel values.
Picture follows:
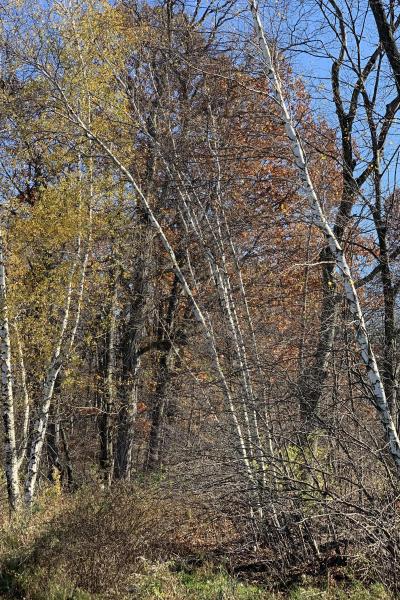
(199, 298)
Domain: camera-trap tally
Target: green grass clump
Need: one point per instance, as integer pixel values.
(220, 585)
(357, 591)
(163, 582)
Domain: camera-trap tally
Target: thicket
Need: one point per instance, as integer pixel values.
(199, 298)
(133, 543)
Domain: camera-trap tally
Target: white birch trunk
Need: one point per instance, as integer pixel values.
(27, 404)
(39, 431)
(366, 352)
(10, 444)
(61, 352)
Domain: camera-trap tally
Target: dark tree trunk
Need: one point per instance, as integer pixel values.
(165, 366)
(68, 459)
(109, 396)
(386, 36)
(132, 341)
(55, 469)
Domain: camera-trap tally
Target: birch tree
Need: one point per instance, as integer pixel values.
(366, 352)
(10, 439)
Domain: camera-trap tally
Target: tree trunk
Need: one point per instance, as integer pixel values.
(312, 379)
(158, 413)
(53, 446)
(386, 35)
(108, 406)
(388, 361)
(27, 402)
(68, 460)
(163, 376)
(10, 445)
(62, 350)
(126, 430)
(131, 360)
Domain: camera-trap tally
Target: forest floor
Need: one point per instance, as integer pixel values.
(129, 544)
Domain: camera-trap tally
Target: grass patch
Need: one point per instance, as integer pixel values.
(160, 581)
(355, 592)
(206, 583)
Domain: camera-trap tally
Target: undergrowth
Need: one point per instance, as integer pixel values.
(130, 545)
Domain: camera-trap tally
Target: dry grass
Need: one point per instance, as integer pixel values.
(96, 540)
(132, 542)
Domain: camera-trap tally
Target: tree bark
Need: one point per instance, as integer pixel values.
(131, 357)
(386, 35)
(108, 406)
(68, 460)
(163, 377)
(10, 444)
(27, 402)
(53, 445)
